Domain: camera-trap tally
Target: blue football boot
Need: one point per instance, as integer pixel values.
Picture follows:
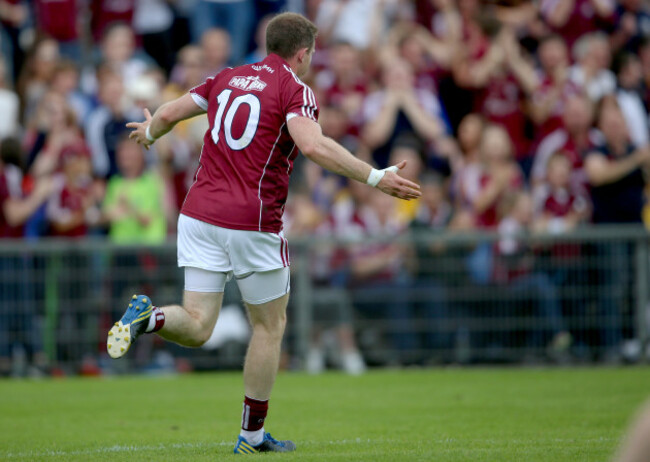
(134, 322)
(269, 444)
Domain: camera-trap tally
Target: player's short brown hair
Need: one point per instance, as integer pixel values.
(289, 32)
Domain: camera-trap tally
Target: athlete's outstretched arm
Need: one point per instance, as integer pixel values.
(164, 119)
(330, 155)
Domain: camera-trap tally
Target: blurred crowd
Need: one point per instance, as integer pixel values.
(514, 115)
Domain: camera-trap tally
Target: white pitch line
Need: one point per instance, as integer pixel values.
(119, 448)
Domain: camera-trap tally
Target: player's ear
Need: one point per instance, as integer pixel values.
(301, 54)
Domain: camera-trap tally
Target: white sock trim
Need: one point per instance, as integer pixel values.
(254, 438)
(152, 322)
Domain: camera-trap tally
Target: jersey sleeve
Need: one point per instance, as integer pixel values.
(201, 92)
(300, 101)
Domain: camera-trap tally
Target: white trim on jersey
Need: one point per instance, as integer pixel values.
(288, 156)
(200, 101)
(259, 188)
(308, 98)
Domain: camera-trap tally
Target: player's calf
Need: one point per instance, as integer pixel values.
(140, 317)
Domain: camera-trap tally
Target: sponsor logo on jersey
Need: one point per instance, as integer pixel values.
(249, 83)
(263, 67)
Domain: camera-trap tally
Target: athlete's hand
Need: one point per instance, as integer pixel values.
(394, 185)
(139, 133)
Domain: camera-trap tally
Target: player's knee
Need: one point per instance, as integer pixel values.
(203, 335)
(203, 327)
(274, 327)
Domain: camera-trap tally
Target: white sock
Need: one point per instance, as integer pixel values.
(255, 437)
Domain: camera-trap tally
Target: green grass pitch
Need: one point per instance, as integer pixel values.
(414, 415)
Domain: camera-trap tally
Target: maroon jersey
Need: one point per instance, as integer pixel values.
(582, 20)
(247, 156)
(57, 18)
(501, 105)
(560, 203)
(66, 203)
(554, 120)
(107, 12)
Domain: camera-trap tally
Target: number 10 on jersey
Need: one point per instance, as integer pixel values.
(236, 144)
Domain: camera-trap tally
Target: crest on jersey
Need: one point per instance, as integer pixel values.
(247, 83)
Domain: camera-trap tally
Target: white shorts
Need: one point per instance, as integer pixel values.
(210, 247)
(231, 251)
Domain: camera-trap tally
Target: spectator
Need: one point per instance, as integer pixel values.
(217, 50)
(36, 74)
(409, 149)
(560, 208)
(591, 72)
(615, 173)
(152, 21)
(514, 267)
(119, 52)
(467, 165)
(505, 78)
(357, 22)
(574, 18)
(188, 72)
(60, 20)
(615, 170)
(53, 128)
(74, 206)
(107, 122)
(65, 81)
(232, 16)
(548, 101)
(104, 13)
(498, 174)
(429, 56)
(632, 25)
(134, 206)
(15, 208)
(343, 83)
(630, 98)
(399, 108)
(573, 140)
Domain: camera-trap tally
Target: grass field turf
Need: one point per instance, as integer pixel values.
(448, 415)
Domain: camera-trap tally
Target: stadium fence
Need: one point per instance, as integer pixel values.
(451, 298)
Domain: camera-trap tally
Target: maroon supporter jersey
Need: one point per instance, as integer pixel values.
(247, 157)
(57, 18)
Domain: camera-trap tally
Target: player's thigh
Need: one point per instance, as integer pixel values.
(203, 294)
(271, 316)
(204, 307)
(266, 295)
